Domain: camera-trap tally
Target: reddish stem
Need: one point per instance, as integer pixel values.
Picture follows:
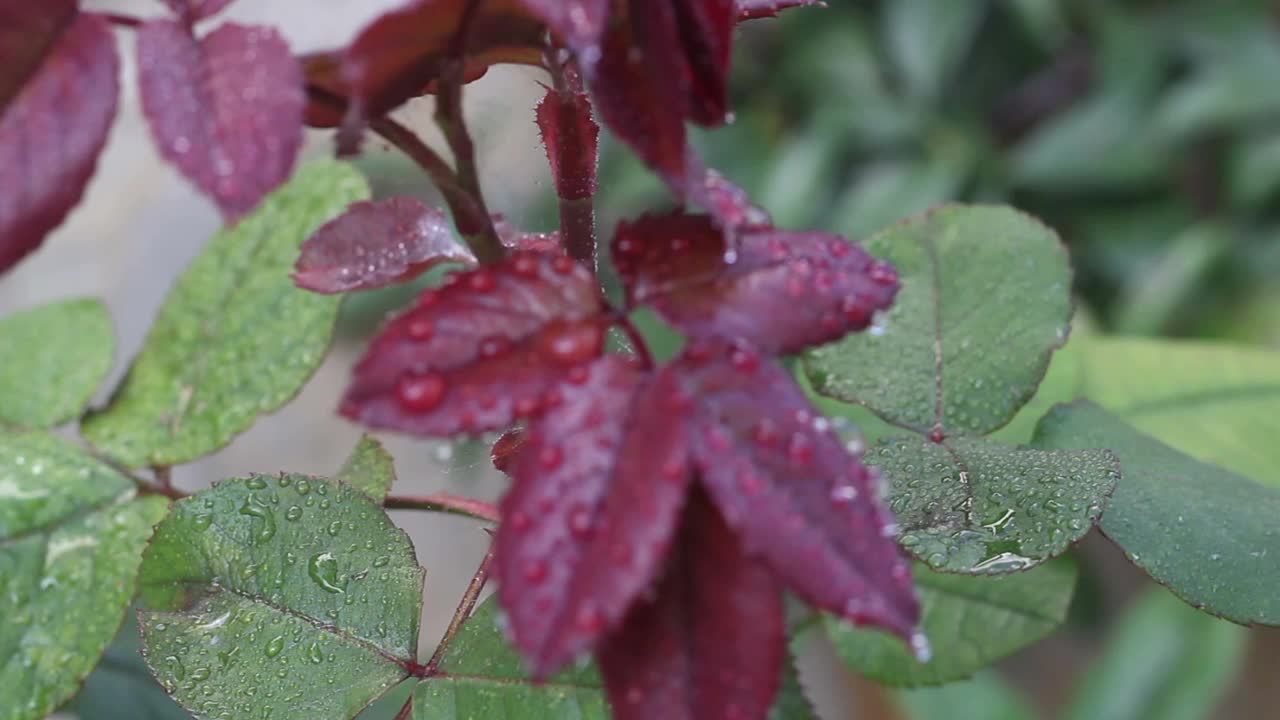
(477, 228)
(462, 614)
(446, 503)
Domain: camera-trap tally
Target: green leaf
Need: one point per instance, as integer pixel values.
(971, 622)
(122, 688)
(985, 697)
(1206, 533)
(71, 539)
(984, 302)
(52, 360)
(294, 596)
(370, 469)
(481, 676)
(969, 505)
(235, 338)
(792, 703)
(1216, 402)
(1164, 661)
(1062, 383)
(928, 40)
(887, 192)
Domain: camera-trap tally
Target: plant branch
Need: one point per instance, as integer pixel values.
(463, 206)
(406, 712)
(476, 228)
(446, 503)
(463, 613)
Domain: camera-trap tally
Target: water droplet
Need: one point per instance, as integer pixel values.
(421, 393)
(256, 483)
(315, 654)
(202, 521)
(589, 619)
(535, 572)
(571, 343)
(293, 513)
(323, 569)
(266, 522)
(274, 646)
(421, 329)
(481, 281)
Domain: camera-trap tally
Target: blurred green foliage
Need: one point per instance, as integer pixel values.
(1147, 133)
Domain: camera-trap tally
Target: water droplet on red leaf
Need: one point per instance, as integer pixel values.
(589, 620)
(571, 343)
(421, 393)
(481, 281)
(550, 457)
(536, 572)
(421, 329)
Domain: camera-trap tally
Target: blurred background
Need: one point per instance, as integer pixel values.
(1146, 132)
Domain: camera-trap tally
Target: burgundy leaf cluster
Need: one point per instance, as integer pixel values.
(657, 511)
(225, 108)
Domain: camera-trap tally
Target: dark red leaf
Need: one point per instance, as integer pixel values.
(796, 496)
(195, 10)
(374, 245)
(640, 89)
(488, 347)
(506, 448)
(580, 23)
(598, 489)
(571, 138)
(710, 644)
(402, 54)
(706, 31)
(52, 132)
(753, 9)
(781, 291)
(28, 33)
(226, 109)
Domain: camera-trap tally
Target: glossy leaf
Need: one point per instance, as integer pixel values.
(1217, 402)
(971, 622)
(370, 469)
(598, 488)
(235, 338)
(787, 485)
(710, 644)
(985, 697)
(681, 265)
(968, 505)
(984, 302)
(1207, 534)
(71, 538)
(481, 351)
(52, 360)
(1063, 382)
(1164, 661)
(376, 244)
(225, 109)
(482, 676)
(294, 594)
(122, 688)
(54, 127)
(28, 33)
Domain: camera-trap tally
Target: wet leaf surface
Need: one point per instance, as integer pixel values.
(1206, 533)
(969, 505)
(71, 539)
(291, 595)
(235, 338)
(985, 300)
(52, 360)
